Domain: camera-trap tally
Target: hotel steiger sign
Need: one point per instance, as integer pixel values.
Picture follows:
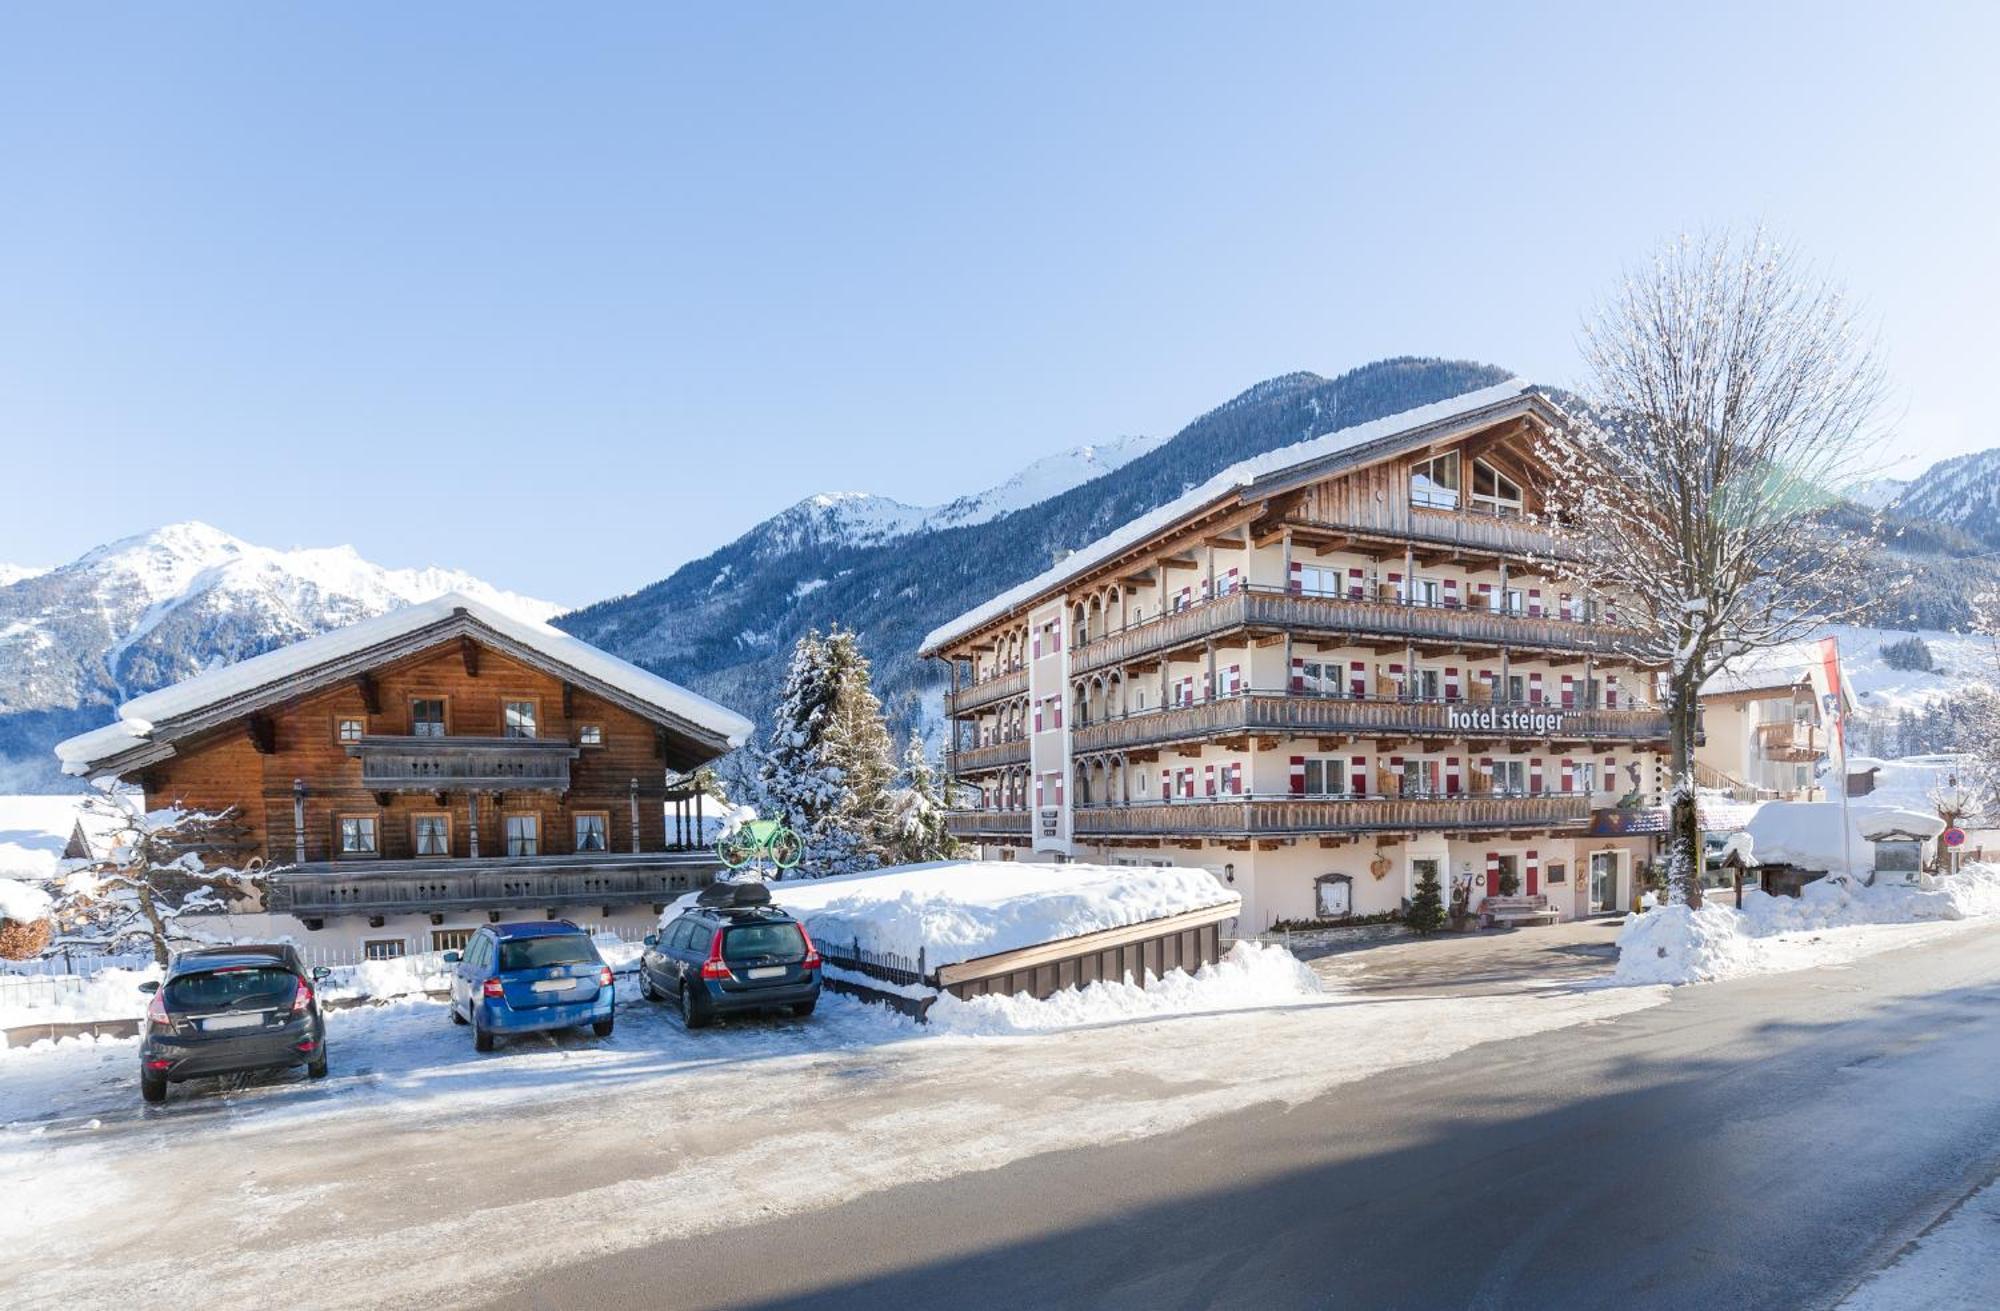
(1492, 719)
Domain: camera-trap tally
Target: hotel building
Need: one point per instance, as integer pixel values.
(1324, 672)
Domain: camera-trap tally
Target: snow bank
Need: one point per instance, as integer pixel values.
(1250, 975)
(1675, 944)
(964, 909)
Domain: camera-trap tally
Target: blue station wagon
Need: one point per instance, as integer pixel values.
(527, 977)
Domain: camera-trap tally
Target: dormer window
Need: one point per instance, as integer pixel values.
(1434, 482)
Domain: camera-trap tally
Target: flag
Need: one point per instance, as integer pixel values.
(1833, 702)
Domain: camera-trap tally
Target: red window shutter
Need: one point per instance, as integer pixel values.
(1298, 674)
(1568, 693)
(1492, 873)
(1059, 790)
(1450, 683)
(1357, 587)
(1297, 583)
(1611, 691)
(1535, 602)
(1535, 774)
(1451, 593)
(1357, 679)
(1451, 775)
(1562, 599)
(1038, 644)
(1208, 780)
(1057, 708)
(1534, 874)
(1359, 776)
(1534, 689)
(1038, 794)
(1298, 776)
(1568, 776)
(1166, 785)
(1038, 716)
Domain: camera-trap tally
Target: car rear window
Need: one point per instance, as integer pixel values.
(556, 949)
(745, 941)
(251, 987)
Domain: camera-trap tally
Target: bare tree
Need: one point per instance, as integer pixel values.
(152, 874)
(1729, 391)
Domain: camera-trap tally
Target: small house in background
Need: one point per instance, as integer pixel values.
(1763, 728)
(1792, 843)
(1861, 779)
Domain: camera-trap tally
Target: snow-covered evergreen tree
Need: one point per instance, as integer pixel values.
(1730, 390)
(827, 771)
(919, 811)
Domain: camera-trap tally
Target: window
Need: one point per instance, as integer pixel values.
(1435, 481)
(383, 949)
(519, 717)
(1316, 581)
(351, 730)
(357, 835)
(1326, 778)
(542, 952)
(524, 835)
(1493, 490)
(591, 833)
(430, 835)
(1556, 872)
(450, 939)
(427, 717)
(590, 735)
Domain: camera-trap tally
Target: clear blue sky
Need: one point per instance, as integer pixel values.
(569, 295)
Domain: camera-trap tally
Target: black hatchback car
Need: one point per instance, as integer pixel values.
(223, 1010)
(727, 959)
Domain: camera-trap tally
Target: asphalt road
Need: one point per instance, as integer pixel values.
(1762, 1143)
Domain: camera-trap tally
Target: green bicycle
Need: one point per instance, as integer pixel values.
(761, 840)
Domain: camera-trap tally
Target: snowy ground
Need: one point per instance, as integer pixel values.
(359, 1177)
(1955, 1266)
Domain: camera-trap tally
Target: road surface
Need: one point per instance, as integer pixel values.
(1764, 1143)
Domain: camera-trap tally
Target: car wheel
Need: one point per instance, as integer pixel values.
(602, 1028)
(804, 1008)
(482, 1041)
(646, 988)
(456, 1018)
(693, 1014)
(153, 1090)
(316, 1069)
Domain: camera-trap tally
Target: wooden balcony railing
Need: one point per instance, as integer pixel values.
(1274, 610)
(998, 755)
(1295, 714)
(973, 696)
(988, 823)
(1788, 740)
(1275, 816)
(528, 882)
(427, 764)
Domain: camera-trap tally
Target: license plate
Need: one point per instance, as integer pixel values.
(765, 972)
(555, 985)
(233, 1022)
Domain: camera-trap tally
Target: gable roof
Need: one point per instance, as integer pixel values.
(1264, 475)
(148, 725)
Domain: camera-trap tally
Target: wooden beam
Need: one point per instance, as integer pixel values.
(468, 651)
(371, 695)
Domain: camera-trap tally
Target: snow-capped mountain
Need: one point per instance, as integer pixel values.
(14, 573)
(1877, 493)
(146, 611)
(1962, 492)
(865, 519)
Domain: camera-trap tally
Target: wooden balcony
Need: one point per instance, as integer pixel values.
(517, 882)
(1269, 610)
(1787, 740)
(974, 760)
(988, 823)
(1288, 714)
(472, 764)
(1282, 816)
(976, 695)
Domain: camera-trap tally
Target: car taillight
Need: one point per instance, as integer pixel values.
(604, 976)
(302, 1000)
(156, 1010)
(713, 967)
(491, 988)
(811, 962)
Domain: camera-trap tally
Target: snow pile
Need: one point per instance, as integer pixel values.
(964, 909)
(23, 901)
(1807, 833)
(1825, 923)
(1251, 975)
(72, 998)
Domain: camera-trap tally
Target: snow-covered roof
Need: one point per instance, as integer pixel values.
(1229, 481)
(35, 831)
(962, 910)
(1773, 670)
(142, 717)
(1807, 833)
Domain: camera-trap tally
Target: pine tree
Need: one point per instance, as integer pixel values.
(921, 832)
(800, 780)
(1426, 912)
(860, 743)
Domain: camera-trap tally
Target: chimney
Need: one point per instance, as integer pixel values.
(1060, 554)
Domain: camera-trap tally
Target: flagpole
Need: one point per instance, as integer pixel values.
(1836, 688)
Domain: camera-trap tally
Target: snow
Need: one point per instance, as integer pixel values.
(138, 716)
(1222, 484)
(1833, 920)
(23, 901)
(14, 573)
(1250, 975)
(35, 830)
(1807, 833)
(1962, 660)
(965, 909)
(1949, 1268)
